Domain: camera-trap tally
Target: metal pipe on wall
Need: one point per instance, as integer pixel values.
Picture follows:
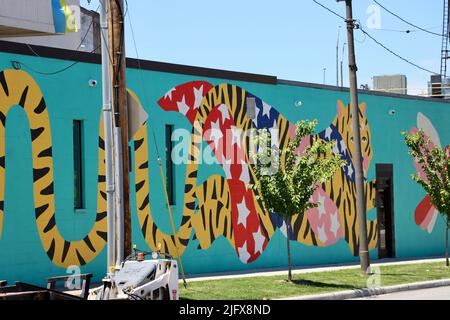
(120, 241)
(107, 122)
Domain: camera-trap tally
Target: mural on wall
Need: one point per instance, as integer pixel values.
(19, 88)
(219, 117)
(426, 214)
(221, 205)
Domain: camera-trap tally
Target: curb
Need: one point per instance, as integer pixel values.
(364, 293)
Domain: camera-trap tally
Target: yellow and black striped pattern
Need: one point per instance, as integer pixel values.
(19, 88)
(342, 191)
(207, 208)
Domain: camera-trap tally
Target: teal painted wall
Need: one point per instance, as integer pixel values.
(68, 97)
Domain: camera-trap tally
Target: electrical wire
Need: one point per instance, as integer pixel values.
(394, 53)
(328, 9)
(375, 40)
(78, 47)
(18, 65)
(142, 80)
(158, 155)
(407, 22)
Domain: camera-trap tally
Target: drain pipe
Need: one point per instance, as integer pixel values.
(120, 219)
(107, 122)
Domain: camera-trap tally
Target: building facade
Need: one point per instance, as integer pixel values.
(391, 83)
(52, 175)
(84, 37)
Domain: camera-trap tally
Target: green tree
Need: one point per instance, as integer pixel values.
(287, 179)
(435, 164)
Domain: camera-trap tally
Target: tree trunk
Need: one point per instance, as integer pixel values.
(288, 250)
(446, 244)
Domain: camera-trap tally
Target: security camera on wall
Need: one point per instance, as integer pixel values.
(92, 83)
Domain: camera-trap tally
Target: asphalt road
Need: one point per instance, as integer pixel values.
(440, 293)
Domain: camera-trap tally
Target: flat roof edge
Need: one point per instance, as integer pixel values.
(366, 92)
(64, 54)
(86, 57)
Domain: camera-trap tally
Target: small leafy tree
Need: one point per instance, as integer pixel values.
(435, 163)
(287, 179)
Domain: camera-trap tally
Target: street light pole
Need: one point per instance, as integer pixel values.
(342, 65)
(357, 157)
(337, 57)
(324, 74)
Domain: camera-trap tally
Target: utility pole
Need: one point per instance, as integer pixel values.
(337, 57)
(116, 20)
(357, 157)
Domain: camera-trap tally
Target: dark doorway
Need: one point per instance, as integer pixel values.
(385, 211)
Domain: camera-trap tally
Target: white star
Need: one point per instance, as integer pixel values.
(283, 229)
(349, 170)
(266, 110)
(322, 236)
(198, 93)
(335, 225)
(259, 240)
(224, 111)
(245, 176)
(274, 135)
(243, 213)
(335, 147)
(226, 167)
(255, 120)
(243, 253)
(216, 133)
(343, 147)
(236, 136)
(169, 94)
(182, 106)
(321, 204)
(328, 133)
(275, 126)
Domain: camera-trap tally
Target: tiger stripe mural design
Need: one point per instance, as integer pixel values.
(230, 102)
(19, 88)
(223, 205)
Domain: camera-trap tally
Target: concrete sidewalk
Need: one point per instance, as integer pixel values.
(374, 292)
(310, 269)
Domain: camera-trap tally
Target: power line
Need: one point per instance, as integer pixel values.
(328, 9)
(407, 22)
(403, 31)
(375, 40)
(18, 65)
(394, 53)
(141, 78)
(78, 47)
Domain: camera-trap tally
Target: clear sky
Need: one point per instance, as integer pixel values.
(290, 39)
